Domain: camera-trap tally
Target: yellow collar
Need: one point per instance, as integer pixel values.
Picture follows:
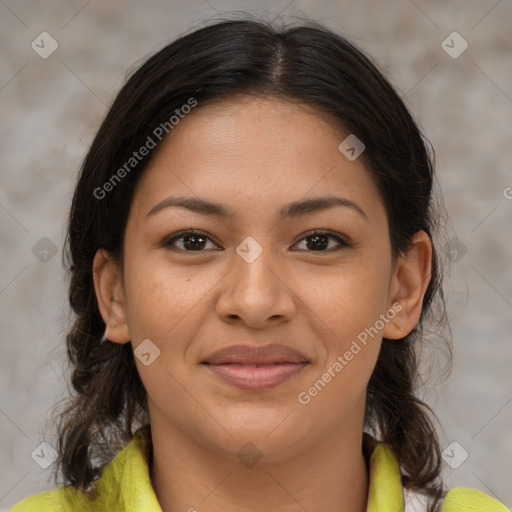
(131, 467)
(385, 486)
(125, 486)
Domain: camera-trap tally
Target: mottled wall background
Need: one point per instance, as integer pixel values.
(51, 105)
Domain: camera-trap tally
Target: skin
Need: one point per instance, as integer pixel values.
(254, 156)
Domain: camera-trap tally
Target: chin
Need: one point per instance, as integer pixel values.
(273, 432)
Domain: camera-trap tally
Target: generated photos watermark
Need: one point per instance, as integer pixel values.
(305, 397)
(158, 133)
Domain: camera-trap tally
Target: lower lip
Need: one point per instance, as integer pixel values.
(256, 378)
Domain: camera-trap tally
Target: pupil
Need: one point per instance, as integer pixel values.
(316, 244)
(194, 245)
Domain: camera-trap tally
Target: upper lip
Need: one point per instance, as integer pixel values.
(246, 354)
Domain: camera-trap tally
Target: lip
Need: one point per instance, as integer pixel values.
(259, 355)
(256, 368)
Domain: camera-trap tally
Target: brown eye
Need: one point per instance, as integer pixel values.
(197, 241)
(318, 241)
(190, 240)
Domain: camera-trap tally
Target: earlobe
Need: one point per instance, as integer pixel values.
(408, 286)
(108, 286)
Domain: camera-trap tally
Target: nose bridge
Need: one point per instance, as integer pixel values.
(255, 291)
(254, 264)
(254, 268)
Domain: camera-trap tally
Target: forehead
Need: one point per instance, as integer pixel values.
(254, 153)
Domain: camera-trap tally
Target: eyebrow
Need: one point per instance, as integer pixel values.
(291, 210)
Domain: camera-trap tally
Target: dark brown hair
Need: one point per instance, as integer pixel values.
(303, 62)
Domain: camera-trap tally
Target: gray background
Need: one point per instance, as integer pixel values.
(50, 109)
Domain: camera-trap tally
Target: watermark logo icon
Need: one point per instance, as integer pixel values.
(454, 45)
(44, 455)
(455, 455)
(147, 352)
(249, 455)
(351, 147)
(455, 249)
(249, 249)
(44, 45)
(44, 250)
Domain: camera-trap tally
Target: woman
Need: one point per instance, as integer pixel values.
(253, 265)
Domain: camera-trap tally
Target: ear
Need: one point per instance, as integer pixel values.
(108, 284)
(408, 285)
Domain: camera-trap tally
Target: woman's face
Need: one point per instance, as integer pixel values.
(255, 276)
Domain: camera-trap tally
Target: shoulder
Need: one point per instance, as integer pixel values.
(62, 499)
(464, 499)
(124, 485)
(386, 480)
(459, 499)
(37, 503)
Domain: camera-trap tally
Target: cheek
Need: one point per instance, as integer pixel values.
(347, 299)
(163, 306)
(166, 302)
(158, 297)
(348, 305)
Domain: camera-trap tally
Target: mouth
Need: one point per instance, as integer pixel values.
(256, 368)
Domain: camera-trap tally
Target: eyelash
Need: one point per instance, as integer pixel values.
(342, 242)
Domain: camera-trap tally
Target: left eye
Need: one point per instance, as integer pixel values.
(195, 241)
(319, 240)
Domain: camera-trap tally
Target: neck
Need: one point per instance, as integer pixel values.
(331, 476)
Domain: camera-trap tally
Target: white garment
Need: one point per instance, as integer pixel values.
(414, 502)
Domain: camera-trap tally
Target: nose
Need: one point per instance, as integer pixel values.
(256, 293)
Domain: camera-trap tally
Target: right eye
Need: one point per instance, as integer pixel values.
(192, 240)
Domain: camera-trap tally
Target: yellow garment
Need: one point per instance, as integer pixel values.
(385, 492)
(125, 486)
